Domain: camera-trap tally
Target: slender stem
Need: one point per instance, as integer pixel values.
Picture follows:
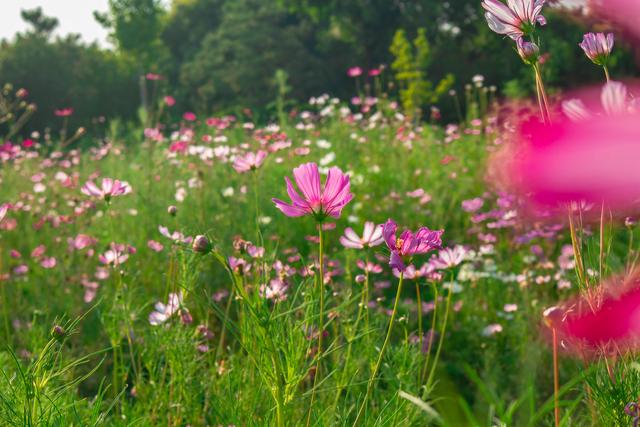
(381, 355)
(606, 73)
(556, 381)
(542, 94)
(224, 322)
(5, 311)
(433, 328)
(441, 338)
(419, 300)
(320, 285)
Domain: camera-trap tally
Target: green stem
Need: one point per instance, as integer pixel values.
(433, 328)
(420, 338)
(381, 355)
(320, 285)
(442, 333)
(606, 73)
(543, 102)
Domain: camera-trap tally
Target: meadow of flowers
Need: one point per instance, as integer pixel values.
(350, 265)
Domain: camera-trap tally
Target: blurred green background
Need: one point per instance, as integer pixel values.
(238, 56)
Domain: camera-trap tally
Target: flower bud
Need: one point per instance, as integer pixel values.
(58, 332)
(172, 210)
(200, 244)
(528, 51)
(553, 317)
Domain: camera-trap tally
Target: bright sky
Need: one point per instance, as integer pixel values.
(75, 16)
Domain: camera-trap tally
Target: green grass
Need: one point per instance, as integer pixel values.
(112, 367)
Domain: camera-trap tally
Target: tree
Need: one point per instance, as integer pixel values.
(135, 29)
(236, 63)
(41, 25)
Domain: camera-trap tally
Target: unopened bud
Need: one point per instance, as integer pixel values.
(528, 51)
(200, 244)
(58, 332)
(172, 210)
(553, 317)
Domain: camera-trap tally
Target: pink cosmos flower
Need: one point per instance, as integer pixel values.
(163, 312)
(189, 116)
(169, 100)
(354, 72)
(585, 162)
(249, 161)
(597, 47)
(155, 246)
(110, 188)
(64, 112)
(371, 236)
(81, 241)
(605, 322)
(449, 257)
(516, 19)
(48, 262)
(4, 208)
(403, 248)
(153, 76)
(317, 201)
(114, 256)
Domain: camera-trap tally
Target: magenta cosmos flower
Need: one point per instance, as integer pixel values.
(597, 47)
(249, 161)
(515, 19)
(371, 236)
(408, 244)
(316, 200)
(109, 188)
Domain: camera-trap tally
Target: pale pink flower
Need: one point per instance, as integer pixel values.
(249, 161)
(354, 72)
(515, 19)
(48, 262)
(114, 256)
(449, 257)
(109, 188)
(597, 47)
(317, 201)
(3, 211)
(155, 246)
(163, 312)
(371, 236)
(81, 241)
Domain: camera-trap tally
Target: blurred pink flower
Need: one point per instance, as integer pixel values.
(584, 162)
(317, 201)
(449, 257)
(371, 236)
(153, 76)
(48, 262)
(249, 161)
(607, 321)
(597, 47)
(516, 19)
(114, 256)
(64, 112)
(109, 188)
(189, 116)
(403, 248)
(155, 246)
(169, 101)
(354, 72)
(4, 208)
(163, 312)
